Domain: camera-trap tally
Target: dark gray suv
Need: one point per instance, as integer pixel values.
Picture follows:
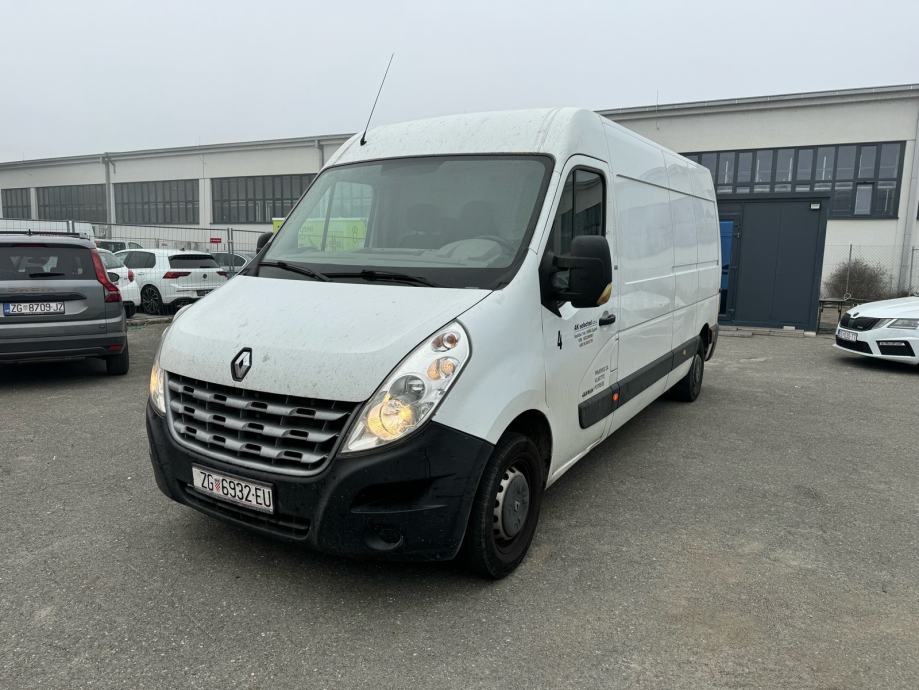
(57, 301)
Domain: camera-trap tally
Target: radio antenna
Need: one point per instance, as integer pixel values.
(374, 107)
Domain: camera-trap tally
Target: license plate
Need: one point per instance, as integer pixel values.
(32, 308)
(847, 335)
(233, 489)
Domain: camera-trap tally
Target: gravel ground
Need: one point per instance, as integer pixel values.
(765, 536)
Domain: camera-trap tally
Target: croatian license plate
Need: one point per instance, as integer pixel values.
(234, 490)
(847, 335)
(32, 308)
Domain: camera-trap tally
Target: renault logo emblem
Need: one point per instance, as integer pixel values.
(241, 364)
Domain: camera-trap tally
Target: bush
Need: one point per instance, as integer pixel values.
(859, 280)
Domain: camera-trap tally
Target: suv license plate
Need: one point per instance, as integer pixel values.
(233, 489)
(847, 335)
(31, 308)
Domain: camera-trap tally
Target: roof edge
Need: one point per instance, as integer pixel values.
(289, 142)
(777, 100)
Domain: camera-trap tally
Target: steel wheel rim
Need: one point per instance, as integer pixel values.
(512, 505)
(696, 372)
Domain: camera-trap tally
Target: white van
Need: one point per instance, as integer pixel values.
(454, 313)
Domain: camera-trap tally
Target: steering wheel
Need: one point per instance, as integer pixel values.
(500, 241)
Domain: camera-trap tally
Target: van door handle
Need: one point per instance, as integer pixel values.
(607, 319)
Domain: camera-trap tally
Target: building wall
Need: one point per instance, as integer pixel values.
(730, 127)
(756, 127)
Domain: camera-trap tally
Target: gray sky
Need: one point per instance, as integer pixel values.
(86, 76)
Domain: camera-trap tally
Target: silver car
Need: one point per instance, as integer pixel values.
(57, 301)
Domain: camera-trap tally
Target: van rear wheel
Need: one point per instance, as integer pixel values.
(690, 386)
(506, 508)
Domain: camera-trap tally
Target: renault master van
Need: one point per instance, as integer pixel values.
(454, 313)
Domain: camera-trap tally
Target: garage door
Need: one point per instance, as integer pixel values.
(776, 260)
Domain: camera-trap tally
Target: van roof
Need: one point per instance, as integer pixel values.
(559, 132)
(555, 131)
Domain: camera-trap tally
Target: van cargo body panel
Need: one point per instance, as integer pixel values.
(305, 341)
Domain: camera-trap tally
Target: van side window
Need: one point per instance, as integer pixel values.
(581, 211)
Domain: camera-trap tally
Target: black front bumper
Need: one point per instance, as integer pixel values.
(408, 501)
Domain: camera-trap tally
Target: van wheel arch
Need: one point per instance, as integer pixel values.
(706, 335)
(535, 426)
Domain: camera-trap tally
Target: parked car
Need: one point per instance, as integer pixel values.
(117, 245)
(58, 301)
(123, 277)
(410, 389)
(888, 329)
(232, 262)
(172, 277)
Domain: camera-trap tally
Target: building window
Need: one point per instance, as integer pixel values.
(256, 199)
(73, 202)
(16, 203)
(170, 202)
(863, 179)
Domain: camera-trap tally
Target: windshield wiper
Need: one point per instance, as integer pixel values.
(391, 276)
(296, 268)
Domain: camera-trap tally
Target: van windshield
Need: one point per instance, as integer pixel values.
(457, 221)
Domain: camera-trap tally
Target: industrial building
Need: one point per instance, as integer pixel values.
(803, 180)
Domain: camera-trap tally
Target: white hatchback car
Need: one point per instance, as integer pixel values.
(172, 277)
(888, 329)
(123, 277)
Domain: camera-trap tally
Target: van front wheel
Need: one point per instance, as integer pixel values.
(506, 508)
(689, 387)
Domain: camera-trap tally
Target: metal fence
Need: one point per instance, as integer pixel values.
(862, 273)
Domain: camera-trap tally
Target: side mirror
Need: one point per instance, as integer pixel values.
(263, 239)
(581, 277)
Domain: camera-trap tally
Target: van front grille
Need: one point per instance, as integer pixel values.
(266, 431)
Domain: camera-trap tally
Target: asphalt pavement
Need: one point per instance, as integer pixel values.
(764, 536)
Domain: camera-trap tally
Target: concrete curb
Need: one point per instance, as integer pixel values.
(737, 332)
(135, 323)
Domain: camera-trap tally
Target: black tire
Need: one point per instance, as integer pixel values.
(487, 549)
(151, 300)
(119, 364)
(690, 386)
(129, 310)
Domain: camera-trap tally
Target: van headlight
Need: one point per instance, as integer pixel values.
(413, 391)
(158, 381)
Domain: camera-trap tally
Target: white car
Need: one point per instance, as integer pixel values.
(123, 277)
(888, 329)
(172, 277)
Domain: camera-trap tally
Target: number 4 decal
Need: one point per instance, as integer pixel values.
(559, 343)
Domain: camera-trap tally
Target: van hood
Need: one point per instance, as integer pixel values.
(901, 308)
(333, 341)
